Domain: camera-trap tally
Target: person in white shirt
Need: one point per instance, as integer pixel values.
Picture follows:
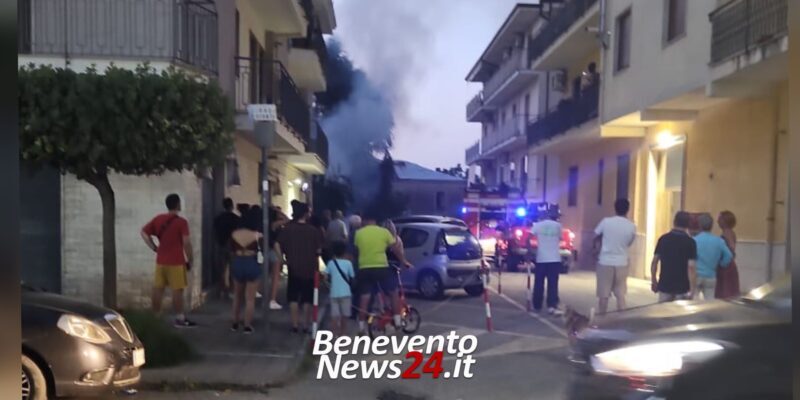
(613, 236)
(548, 262)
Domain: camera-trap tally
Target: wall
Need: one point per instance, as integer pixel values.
(736, 177)
(422, 196)
(587, 213)
(248, 157)
(656, 72)
(138, 199)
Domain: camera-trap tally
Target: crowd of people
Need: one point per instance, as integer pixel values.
(685, 265)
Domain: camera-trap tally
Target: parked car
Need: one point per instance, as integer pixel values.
(71, 348)
(445, 256)
(430, 219)
(689, 350)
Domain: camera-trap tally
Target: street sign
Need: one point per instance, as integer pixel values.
(263, 112)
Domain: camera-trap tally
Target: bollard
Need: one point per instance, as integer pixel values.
(486, 301)
(530, 293)
(315, 304)
(499, 279)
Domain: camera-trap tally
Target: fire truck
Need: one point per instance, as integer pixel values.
(502, 223)
(488, 214)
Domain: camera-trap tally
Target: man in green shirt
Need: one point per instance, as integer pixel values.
(372, 242)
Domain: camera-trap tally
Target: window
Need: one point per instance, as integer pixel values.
(413, 238)
(601, 171)
(572, 194)
(440, 201)
(514, 111)
(675, 24)
(623, 41)
(623, 174)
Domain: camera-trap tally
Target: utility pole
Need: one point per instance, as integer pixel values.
(264, 117)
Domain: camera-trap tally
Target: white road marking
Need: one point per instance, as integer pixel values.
(243, 354)
(551, 325)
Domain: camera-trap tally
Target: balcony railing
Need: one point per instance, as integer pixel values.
(742, 25)
(475, 105)
(261, 81)
(570, 113)
(319, 145)
(512, 128)
(564, 18)
(472, 153)
(182, 31)
(511, 65)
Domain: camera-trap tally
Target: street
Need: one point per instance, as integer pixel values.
(524, 357)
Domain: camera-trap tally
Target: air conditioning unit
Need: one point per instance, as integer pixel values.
(558, 81)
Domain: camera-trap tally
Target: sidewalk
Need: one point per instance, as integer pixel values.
(578, 290)
(232, 359)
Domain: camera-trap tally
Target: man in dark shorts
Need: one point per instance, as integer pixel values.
(224, 224)
(372, 242)
(676, 251)
(302, 243)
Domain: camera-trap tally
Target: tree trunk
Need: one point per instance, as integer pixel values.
(103, 187)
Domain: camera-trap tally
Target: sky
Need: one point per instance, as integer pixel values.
(418, 53)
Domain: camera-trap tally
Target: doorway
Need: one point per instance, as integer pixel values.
(665, 196)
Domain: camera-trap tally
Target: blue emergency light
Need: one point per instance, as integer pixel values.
(463, 210)
(522, 212)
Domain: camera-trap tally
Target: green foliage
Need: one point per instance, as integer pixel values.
(162, 346)
(136, 122)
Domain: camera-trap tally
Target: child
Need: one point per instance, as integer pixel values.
(340, 271)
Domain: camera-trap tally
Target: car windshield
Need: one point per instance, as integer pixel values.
(777, 294)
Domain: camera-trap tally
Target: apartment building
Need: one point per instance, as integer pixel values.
(509, 99)
(684, 108)
(706, 94)
(277, 57)
(222, 41)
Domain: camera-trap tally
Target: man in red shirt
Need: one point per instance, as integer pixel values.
(173, 257)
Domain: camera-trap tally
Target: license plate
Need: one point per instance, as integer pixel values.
(138, 357)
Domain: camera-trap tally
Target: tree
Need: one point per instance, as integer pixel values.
(134, 122)
(457, 171)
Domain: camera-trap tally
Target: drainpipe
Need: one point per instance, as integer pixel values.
(773, 188)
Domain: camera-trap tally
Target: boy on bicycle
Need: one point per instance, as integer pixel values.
(340, 272)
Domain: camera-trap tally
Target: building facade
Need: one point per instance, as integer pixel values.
(218, 40)
(687, 113)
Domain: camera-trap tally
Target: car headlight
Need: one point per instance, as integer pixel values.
(654, 359)
(83, 328)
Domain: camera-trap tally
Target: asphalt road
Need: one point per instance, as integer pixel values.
(523, 358)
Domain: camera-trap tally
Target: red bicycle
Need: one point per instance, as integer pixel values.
(377, 322)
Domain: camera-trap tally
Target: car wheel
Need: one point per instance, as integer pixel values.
(430, 285)
(474, 290)
(34, 383)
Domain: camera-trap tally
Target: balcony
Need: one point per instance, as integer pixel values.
(264, 82)
(507, 136)
(315, 159)
(473, 153)
(307, 57)
(477, 110)
(182, 32)
(565, 40)
(283, 17)
(511, 77)
(749, 47)
(568, 115)
(744, 25)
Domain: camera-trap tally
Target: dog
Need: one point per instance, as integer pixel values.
(575, 322)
